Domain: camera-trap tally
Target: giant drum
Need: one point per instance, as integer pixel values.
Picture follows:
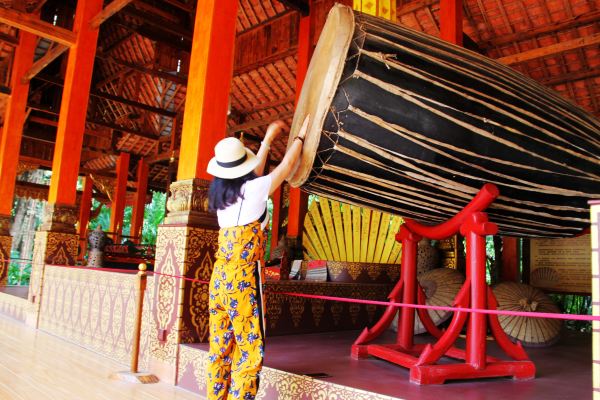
(406, 123)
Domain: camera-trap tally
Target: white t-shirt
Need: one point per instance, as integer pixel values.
(253, 205)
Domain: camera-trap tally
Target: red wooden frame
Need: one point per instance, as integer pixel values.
(422, 359)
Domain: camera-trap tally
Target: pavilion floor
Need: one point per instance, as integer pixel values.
(35, 365)
(564, 371)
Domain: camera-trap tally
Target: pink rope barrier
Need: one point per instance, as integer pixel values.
(531, 314)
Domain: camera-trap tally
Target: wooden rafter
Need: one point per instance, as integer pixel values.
(572, 77)
(108, 11)
(415, 6)
(302, 6)
(180, 79)
(8, 39)
(260, 122)
(551, 50)
(32, 24)
(52, 54)
(580, 20)
(129, 131)
(242, 69)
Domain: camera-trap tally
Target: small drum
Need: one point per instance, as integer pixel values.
(406, 123)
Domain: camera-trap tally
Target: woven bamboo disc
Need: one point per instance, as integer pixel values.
(533, 332)
(441, 285)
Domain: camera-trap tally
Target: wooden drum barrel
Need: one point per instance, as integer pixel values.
(406, 123)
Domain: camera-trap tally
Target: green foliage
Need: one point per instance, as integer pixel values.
(154, 214)
(575, 304)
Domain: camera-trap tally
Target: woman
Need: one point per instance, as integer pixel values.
(239, 194)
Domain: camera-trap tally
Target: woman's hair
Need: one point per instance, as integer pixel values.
(225, 192)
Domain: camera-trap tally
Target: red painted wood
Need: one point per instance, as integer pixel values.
(209, 84)
(139, 203)
(84, 215)
(117, 209)
(451, 16)
(276, 198)
(510, 259)
(14, 119)
(73, 108)
(298, 204)
(406, 320)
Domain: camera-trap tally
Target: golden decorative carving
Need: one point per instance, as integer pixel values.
(5, 225)
(286, 385)
(188, 203)
(354, 310)
(60, 218)
(105, 185)
(297, 309)
(318, 308)
(359, 271)
(336, 311)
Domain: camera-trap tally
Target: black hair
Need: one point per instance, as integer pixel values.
(225, 192)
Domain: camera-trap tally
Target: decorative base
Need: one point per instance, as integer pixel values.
(134, 377)
(437, 374)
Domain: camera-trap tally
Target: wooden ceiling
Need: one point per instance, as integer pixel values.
(139, 84)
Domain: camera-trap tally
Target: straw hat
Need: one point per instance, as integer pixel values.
(232, 160)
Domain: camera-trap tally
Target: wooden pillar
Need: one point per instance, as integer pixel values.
(139, 204)
(510, 259)
(298, 200)
(451, 21)
(276, 199)
(595, 238)
(10, 143)
(117, 209)
(187, 240)
(57, 242)
(84, 215)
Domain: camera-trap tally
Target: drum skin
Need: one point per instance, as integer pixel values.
(405, 123)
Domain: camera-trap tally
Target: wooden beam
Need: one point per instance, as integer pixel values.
(179, 79)
(159, 23)
(209, 85)
(108, 11)
(580, 20)
(571, 77)
(117, 209)
(74, 104)
(52, 54)
(243, 69)
(302, 6)
(9, 39)
(551, 50)
(451, 21)
(129, 131)
(414, 6)
(136, 104)
(32, 24)
(268, 105)
(14, 118)
(164, 156)
(259, 122)
(139, 203)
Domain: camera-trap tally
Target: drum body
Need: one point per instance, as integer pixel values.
(406, 123)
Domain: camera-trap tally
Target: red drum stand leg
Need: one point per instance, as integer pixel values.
(422, 360)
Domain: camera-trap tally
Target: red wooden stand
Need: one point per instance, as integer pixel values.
(422, 359)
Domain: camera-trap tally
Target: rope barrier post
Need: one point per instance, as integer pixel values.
(134, 375)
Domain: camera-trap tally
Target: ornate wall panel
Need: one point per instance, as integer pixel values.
(293, 315)
(96, 310)
(274, 384)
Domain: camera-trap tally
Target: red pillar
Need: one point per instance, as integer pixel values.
(117, 209)
(276, 198)
(207, 98)
(73, 107)
(510, 260)
(139, 204)
(451, 21)
(84, 215)
(299, 200)
(14, 118)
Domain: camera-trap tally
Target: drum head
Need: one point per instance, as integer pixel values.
(320, 85)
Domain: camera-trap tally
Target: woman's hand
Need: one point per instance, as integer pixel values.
(273, 131)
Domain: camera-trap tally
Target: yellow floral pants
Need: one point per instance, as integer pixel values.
(236, 315)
